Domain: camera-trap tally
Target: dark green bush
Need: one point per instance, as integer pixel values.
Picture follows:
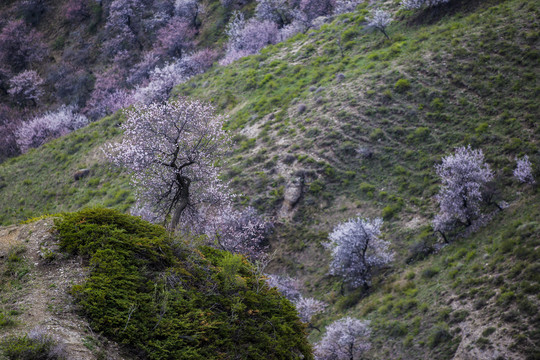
(402, 85)
(439, 335)
(174, 302)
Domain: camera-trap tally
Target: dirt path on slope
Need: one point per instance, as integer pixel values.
(43, 301)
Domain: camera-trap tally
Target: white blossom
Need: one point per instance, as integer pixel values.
(345, 339)
(379, 20)
(308, 307)
(464, 176)
(170, 150)
(417, 4)
(523, 171)
(357, 250)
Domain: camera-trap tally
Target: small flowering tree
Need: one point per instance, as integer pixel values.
(345, 339)
(120, 26)
(76, 10)
(170, 150)
(345, 6)
(357, 250)
(379, 20)
(417, 4)
(523, 170)
(26, 87)
(309, 307)
(464, 176)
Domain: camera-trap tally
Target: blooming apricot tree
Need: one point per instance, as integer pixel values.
(357, 250)
(171, 150)
(344, 339)
(523, 171)
(464, 176)
(379, 20)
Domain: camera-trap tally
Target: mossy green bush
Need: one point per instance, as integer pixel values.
(170, 301)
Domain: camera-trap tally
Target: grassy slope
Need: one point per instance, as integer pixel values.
(472, 79)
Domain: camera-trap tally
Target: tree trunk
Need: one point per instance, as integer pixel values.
(182, 202)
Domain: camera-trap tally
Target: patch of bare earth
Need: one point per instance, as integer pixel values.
(44, 301)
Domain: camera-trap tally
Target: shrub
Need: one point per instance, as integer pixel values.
(439, 335)
(168, 300)
(430, 272)
(32, 10)
(402, 85)
(420, 250)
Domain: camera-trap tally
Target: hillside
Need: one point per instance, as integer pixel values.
(341, 121)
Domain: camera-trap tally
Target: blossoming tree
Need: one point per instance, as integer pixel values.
(171, 151)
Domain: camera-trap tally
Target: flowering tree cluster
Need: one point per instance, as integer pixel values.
(9, 122)
(464, 176)
(523, 171)
(49, 126)
(190, 10)
(289, 288)
(357, 250)
(315, 8)
(26, 87)
(345, 6)
(107, 92)
(277, 11)
(20, 46)
(379, 20)
(176, 38)
(121, 33)
(170, 150)
(76, 10)
(345, 339)
(417, 4)
(275, 21)
(140, 71)
(248, 37)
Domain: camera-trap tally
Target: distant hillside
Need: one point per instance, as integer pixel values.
(341, 121)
